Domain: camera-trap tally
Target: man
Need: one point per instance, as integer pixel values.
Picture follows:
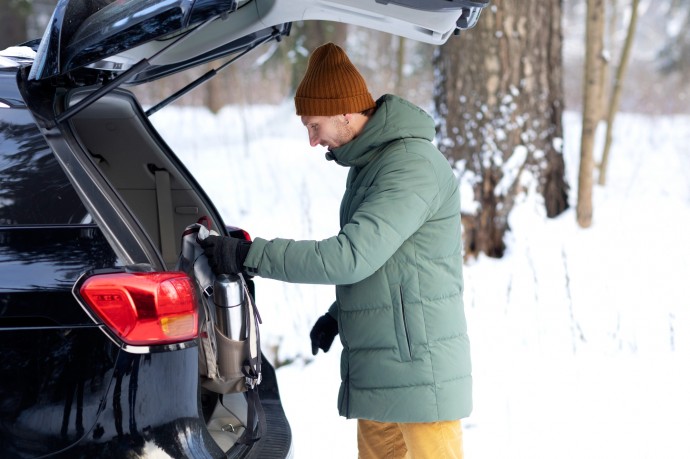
(396, 264)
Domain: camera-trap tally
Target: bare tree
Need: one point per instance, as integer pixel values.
(617, 90)
(308, 36)
(13, 14)
(590, 112)
(214, 94)
(499, 100)
(674, 55)
(399, 65)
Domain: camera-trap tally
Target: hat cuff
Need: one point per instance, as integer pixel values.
(306, 106)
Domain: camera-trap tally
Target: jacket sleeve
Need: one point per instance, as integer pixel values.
(402, 197)
(334, 311)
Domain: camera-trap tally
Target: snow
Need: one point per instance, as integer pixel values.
(580, 337)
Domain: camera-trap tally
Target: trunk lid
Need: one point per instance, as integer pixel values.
(161, 37)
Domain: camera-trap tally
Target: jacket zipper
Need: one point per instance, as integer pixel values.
(347, 391)
(404, 319)
(346, 382)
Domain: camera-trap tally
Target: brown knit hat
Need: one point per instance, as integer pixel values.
(331, 85)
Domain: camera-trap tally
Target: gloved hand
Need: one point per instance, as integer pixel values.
(323, 333)
(225, 254)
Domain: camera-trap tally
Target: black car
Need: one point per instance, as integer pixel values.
(99, 345)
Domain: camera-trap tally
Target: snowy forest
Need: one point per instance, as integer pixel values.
(567, 124)
(498, 91)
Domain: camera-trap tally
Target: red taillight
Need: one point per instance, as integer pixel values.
(144, 308)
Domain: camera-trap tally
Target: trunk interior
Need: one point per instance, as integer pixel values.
(142, 170)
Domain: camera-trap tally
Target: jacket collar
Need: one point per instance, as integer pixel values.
(394, 119)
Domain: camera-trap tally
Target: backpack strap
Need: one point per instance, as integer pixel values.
(252, 366)
(256, 418)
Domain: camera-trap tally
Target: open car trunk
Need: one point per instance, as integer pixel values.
(120, 146)
(114, 135)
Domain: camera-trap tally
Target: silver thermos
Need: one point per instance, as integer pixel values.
(228, 295)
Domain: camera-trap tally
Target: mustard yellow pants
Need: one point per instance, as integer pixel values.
(425, 440)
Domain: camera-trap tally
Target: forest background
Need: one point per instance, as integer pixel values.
(657, 81)
(498, 91)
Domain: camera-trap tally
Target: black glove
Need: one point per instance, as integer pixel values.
(225, 254)
(323, 333)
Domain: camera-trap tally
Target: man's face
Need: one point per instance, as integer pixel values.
(328, 131)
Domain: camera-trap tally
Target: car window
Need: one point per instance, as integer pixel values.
(34, 189)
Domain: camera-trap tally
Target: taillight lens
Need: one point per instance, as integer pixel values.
(144, 308)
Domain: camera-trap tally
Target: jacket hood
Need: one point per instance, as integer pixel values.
(394, 119)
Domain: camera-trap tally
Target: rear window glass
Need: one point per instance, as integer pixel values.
(34, 189)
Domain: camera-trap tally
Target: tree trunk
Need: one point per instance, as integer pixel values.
(215, 94)
(399, 66)
(499, 101)
(308, 36)
(617, 90)
(13, 16)
(593, 63)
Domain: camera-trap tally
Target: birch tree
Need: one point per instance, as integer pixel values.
(594, 45)
(617, 90)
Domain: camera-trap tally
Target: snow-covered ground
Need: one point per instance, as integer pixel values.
(581, 338)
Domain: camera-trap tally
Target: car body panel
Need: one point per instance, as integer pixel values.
(57, 403)
(42, 263)
(31, 196)
(54, 380)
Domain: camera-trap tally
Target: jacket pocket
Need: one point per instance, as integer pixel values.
(344, 392)
(401, 331)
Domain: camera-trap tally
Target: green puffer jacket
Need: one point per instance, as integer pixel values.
(397, 267)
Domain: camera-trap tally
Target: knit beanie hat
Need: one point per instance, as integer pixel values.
(331, 85)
